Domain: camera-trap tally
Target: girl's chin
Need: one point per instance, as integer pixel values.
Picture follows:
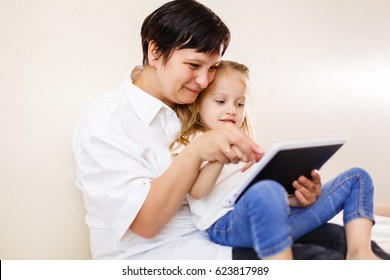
(221, 124)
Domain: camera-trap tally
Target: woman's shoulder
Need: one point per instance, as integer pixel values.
(103, 112)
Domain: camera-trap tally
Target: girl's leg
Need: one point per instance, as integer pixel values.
(382, 209)
(352, 191)
(358, 234)
(258, 220)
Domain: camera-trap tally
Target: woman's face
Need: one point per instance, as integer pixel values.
(224, 100)
(185, 74)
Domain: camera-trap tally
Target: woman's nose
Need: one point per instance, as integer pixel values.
(202, 79)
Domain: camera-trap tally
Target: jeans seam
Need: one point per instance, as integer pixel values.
(288, 242)
(336, 186)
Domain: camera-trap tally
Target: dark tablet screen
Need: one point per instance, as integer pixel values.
(287, 165)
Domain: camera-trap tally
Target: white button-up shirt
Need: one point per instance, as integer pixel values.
(120, 146)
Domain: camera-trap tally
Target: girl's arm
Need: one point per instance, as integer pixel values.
(206, 179)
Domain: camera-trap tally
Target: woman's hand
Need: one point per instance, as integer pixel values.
(306, 190)
(226, 144)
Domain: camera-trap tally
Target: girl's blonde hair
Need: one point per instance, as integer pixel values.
(188, 113)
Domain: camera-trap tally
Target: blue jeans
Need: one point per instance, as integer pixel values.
(262, 220)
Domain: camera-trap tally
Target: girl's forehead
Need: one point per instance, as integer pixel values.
(229, 76)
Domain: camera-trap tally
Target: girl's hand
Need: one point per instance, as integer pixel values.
(306, 190)
(227, 144)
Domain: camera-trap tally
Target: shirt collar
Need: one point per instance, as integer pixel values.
(146, 106)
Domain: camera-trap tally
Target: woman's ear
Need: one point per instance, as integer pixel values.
(153, 53)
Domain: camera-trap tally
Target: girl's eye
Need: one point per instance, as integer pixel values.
(240, 104)
(220, 101)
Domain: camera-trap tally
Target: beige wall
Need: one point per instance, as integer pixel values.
(319, 69)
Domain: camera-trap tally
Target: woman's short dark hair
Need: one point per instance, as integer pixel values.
(184, 24)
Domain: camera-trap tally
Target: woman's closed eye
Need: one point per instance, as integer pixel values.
(194, 65)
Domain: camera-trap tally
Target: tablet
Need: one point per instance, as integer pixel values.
(286, 161)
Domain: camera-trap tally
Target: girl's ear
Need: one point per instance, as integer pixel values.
(153, 53)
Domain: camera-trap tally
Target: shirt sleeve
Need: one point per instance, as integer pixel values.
(112, 173)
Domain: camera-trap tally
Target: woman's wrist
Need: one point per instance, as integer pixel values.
(191, 152)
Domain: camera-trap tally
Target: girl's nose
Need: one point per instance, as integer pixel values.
(232, 109)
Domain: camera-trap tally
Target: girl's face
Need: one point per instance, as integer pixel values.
(224, 100)
(185, 74)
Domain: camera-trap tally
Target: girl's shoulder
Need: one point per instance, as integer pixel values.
(178, 147)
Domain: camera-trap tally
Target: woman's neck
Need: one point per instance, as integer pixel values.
(148, 82)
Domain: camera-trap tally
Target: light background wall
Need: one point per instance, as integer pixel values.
(320, 68)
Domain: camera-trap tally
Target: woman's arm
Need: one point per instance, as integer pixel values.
(168, 191)
(206, 179)
(166, 194)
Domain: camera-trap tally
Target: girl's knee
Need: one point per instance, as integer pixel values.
(359, 171)
(268, 192)
(268, 198)
(362, 176)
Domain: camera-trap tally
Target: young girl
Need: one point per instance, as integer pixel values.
(264, 218)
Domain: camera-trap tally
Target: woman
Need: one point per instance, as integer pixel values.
(133, 191)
